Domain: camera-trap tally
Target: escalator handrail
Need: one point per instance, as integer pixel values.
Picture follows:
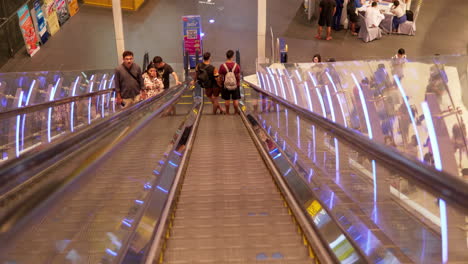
(155, 247)
(439, 183)
(43, 106)
(315, 238)
(30, 161)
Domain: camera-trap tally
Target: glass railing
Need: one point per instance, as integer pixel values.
(70, 178)
(21, 89)
(393, 214)
(415, 106)
(74, 99)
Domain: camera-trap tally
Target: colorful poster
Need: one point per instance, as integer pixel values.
(27, 28)
(73, 7)
(192, 37)
(40, 22)
(62, 11)
(51, 16)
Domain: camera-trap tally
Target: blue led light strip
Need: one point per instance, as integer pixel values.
(364, 106)
(49, 114)
(267, 85)
(298, 122)
(330, 103)
(438, 165)
(72, 109)
(410, 113)
(260, 83)
(293, 88)
(282, 85)
(432, 136)
(339, 101)
(309, 101)
(18, 122)
(319, 95)
(162, 189)
(444, 230)
(274, 84)
(337, 162)
(299, 78)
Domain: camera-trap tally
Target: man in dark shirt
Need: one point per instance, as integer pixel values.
(209, 81)
(227, 95)
(128, 81)
(164, 71)
(327, 11)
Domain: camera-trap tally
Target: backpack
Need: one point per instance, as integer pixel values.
(409, 15)
(230, 81)
(203, 77)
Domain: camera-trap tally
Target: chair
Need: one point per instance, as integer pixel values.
(368, 34)
(409, 27)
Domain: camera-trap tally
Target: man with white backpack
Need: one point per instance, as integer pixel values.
(229, 80)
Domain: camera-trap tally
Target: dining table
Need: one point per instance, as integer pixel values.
(386, 25)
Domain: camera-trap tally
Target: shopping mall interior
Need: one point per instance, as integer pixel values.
(361, 157)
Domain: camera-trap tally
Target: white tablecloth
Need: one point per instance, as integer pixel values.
(386, 24)
(382, 6)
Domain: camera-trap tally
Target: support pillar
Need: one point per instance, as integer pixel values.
(118, 27)
(261, 30)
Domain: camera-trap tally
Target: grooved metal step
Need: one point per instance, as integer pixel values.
(229, 209)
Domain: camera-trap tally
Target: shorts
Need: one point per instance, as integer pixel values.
(231, 94)
(325, 20)
(212, 92)
(353, 17)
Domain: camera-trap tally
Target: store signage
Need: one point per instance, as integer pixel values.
(73, 7)
(62, 11)
(41, 22)
(51, 16)
(28, 31)
(192, 37)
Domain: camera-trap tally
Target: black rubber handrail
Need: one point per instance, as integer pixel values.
(439, 183)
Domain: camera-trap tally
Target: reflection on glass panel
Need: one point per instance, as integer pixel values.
(381, 210)
(29, 130)
(382, 99)
(109, 221)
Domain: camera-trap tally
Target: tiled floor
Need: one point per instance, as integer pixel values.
(87, 40)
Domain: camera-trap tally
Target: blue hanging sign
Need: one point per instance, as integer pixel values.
(192, 37)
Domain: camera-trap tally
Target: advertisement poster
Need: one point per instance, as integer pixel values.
(40, 22)
(192, 37)
(28, 31)
(73, 7)
(51, 16)
(62, 11)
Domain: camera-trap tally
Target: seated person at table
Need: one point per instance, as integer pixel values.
(358, 3)
(373, 16)
(400, 15)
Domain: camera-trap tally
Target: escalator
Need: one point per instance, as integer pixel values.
(166, 182)
(75, 223)
(229, 210)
